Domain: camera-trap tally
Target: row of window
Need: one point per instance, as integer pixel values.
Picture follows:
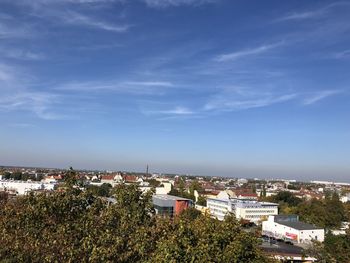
(253, 216)
(260, 211)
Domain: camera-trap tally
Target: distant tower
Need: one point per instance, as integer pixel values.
(147, 169)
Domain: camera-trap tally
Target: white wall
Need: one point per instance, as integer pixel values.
(280, 231)
(22, 187)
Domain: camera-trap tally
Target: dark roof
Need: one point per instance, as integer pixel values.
(298, 225)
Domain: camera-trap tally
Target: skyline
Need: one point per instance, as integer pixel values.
(208, 87)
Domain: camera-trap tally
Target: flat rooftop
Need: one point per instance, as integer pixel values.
(298, 225)
(171, 198)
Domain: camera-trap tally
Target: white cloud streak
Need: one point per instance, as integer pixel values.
(128, 87)
(179, 110)
(313, 13)
(224, 103)
(320, 96)
(17, 96)
(75, 18)
(10, 31)
(19, 54)
(169, 3)
(246, 52)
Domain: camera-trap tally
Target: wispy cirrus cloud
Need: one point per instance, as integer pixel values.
(131, 87)
(236, 102)
(168, 3)
(16, 95)
(178, 110)
(150, 83)
(75, 18)
(341, 55)
(311, 14)
(10, 30)
(67, 13)
(320, 95)
(246, 52)
(20, 54)
(40, 103)
(303, 15)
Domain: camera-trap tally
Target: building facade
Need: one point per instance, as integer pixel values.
(170, 205)
(247, 209)
(289, 228)
(23, 187)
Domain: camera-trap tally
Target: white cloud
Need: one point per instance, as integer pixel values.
(20, 54)
(16, 95)
(227, 103)
(150, 83)
(39, 103)
(131, 87)
(75, 18)
(341, 55)
(320, 96)
(313, 13)
(302, 15)
(246, 52)
(168, 3)
(179, 110)
(11, 30)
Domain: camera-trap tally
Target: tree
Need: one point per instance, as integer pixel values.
(334, 249)
(103, 190)
(78, 226)
(206, 240)
(153, 182)
(328, 213)
(202, 201)
(286, 197)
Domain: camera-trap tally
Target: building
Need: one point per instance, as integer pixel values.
(169, 204)
(289, 228)
(246, 209)
(23, 187)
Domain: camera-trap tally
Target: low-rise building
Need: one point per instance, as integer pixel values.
(246, 209)
(170, 205)
(289, 228)
(23, 187)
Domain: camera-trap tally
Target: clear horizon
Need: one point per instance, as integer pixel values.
(212, 87)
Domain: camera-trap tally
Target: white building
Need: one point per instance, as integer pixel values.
(250, 210)
(345, 198)
(23, 187)
(160, 190)
(289, 228)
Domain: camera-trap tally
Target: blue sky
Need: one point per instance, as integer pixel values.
(212, 87)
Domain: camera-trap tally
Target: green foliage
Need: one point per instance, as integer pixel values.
(334, 249)
(181, 192)
(286, 197)
(206, 240)
(328, 213)
(202, 201)
(103, 190)
(195, 185)
(190, 213)
(153, 182)
(70, 178)
(78, 226)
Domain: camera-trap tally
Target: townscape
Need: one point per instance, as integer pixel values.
(174, 131)
(285, 215)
